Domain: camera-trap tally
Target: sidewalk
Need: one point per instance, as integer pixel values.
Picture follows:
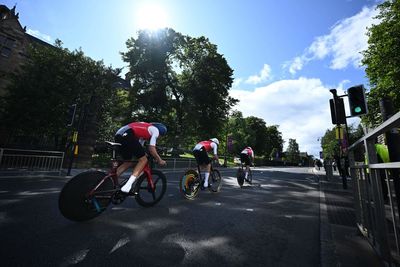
(341, 243)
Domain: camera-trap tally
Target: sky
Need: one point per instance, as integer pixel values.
(286, 54)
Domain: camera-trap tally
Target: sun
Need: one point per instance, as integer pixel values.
(152, 17)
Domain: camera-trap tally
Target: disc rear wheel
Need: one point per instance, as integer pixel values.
(76, 204)
(189, 184)
(240, 177)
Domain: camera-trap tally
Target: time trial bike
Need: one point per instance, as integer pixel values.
(89, 193)
(193, 180)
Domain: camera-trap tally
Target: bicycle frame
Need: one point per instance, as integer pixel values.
(112, 174)
(199, 171)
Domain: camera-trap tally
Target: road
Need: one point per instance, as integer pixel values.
(274, 222)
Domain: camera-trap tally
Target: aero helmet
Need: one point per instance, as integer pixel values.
(161, 127)
(215, 140)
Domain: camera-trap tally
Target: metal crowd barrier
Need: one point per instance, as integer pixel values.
(377, 221)
(30, 160)
(179, 163)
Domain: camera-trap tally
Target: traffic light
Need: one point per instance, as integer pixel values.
(357, 103)
(71, 114)
(338, 114)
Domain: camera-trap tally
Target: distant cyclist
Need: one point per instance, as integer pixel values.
(132, 138)
(247, 157)
(201, 151)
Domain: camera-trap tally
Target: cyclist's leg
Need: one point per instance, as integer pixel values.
(207, 174)
(244, 159)
(130, 146)
(204, 162)
(123, 167)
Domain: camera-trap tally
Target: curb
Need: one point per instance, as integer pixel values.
(328, 257)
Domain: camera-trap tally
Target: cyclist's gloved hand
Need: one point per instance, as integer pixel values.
(162, 162)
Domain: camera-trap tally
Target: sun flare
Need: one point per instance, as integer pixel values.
(151, 17)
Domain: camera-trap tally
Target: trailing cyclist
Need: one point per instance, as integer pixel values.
(132, 138)
(247, 157)
(201, 151)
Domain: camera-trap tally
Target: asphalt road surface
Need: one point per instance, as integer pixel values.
(274, 222)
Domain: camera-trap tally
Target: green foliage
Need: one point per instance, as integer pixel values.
(48, 82)
(330, 145)
(252, 131)
(382, 59)
(180, 80)
(293, 152)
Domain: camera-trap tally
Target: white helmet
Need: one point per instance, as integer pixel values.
(215, 140)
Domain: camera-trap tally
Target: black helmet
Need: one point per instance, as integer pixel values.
(161, 127)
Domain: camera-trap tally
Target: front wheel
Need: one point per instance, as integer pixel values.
(189, 184)
(76, 204)
(216, 181)
(147, 196)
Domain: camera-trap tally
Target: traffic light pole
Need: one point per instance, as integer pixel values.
(343, 166)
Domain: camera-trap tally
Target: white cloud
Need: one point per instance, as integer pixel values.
(296, 65)
(342, 45)
(265, 75)
(39, 35)
(237, 82)
(300, 108)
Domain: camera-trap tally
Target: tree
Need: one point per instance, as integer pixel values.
(274, 154)
(274, 141)
(180, 80)
(252, 131)
(330, 145)
(256, 134)
(206, 79)
(52, 79)
(293, 152)
(382, 59)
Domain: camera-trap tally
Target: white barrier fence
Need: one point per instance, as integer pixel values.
(30, 160)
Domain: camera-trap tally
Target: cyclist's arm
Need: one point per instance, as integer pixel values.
(153, 152)
(215, 150)
(152, 145)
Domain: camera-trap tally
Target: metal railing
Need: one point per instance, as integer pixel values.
(30, 160)
(179, 163)
(378, 221)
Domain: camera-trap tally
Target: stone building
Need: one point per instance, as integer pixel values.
(14, 42)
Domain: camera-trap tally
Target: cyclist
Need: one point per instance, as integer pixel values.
(247, 157)
(200, 152)
(132, 137)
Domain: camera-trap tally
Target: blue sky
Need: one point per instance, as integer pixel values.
(286, 54)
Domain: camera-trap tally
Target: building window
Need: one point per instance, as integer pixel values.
(6, 45)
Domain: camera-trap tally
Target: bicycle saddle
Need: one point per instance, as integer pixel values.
(113, 144)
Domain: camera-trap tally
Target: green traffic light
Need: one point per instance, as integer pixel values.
(357, 109)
